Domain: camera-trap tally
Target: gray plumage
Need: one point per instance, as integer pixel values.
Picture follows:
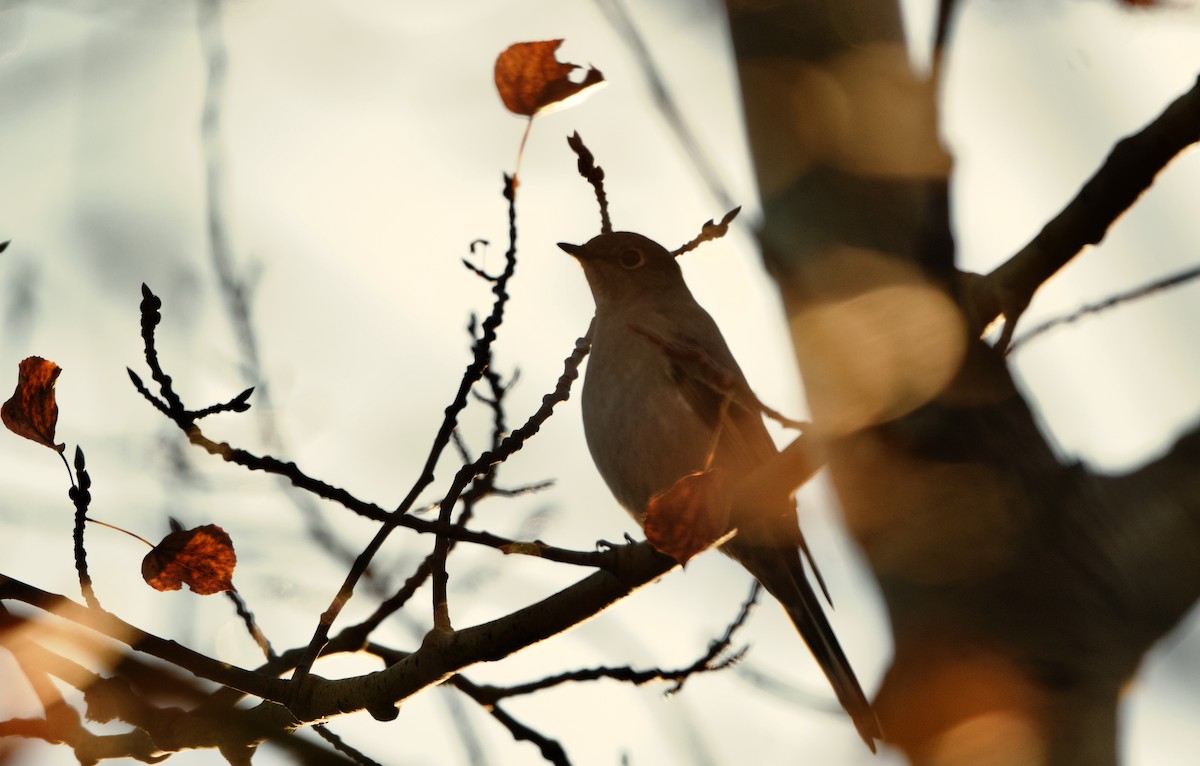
(650, 415)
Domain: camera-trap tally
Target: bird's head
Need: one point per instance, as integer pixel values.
(623, 266)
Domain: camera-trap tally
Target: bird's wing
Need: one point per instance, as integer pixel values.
(768, 545)
(711, 382)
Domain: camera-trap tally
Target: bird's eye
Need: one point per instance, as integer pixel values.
(631, 258)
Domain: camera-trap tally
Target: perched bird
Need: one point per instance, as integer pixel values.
(652, 415)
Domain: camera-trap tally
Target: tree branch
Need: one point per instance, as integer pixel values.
(444, 654)
(115, 628)
(1125, 296)
(1126, 174)
(1145, 529)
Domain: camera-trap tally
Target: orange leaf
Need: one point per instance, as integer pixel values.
(689, 517)
(32, 411)
(530, 78)
(202, 557)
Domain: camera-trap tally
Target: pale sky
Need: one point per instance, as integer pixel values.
(364, 150)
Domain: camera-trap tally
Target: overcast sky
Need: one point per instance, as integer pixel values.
(363, 150)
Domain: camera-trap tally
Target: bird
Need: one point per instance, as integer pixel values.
(652, 416)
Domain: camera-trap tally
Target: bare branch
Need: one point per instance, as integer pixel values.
(339, 744)
(490, 695)
(594, 175)
(82, 498)
(1126, 174)
(1175, 280)
(621, 22)
(444, 654)
(251, 624)
(550, 749)
(119, 630)
(479, 364)
(709, 232)
(1141, 532)
(173, 408)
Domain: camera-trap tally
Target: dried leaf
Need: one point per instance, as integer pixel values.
(530, 78)
(689, 517)
(202, 557)
(32, 411)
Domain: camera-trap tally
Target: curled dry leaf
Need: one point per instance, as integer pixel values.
(32, 411)
(202, 557)
(689, 517)
(530, 78)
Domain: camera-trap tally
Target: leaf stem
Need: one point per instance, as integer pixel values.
(521, 150)
(115, 528)
(67, 464)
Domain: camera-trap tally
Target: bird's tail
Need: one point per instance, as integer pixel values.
(781, 572)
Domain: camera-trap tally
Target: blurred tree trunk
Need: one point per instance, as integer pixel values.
(1022, 593)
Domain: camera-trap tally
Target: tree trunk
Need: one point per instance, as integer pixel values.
(1022, 592)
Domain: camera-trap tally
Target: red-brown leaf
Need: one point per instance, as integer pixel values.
(202, 557)
(32, 411)
(689, 517)
(530, 77)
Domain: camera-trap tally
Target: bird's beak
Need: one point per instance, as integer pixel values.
(572, 250)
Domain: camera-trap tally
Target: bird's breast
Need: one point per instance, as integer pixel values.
(642, 433)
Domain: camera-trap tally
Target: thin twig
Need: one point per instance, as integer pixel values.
(485, 465)
(718, 647)
(594, 175)
(619, 18)
(339, 744)
(251, 624)
(474, 371)
(150, 312)
(172, 406)
(290, 471)
(1128, 171)
(182, 417)
(109, 625)
(234, 288)
(1174, 280)
(479, 366)
(82, 497)
(550, 749)
(708, 232)
(706, 663)
(768, 681)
